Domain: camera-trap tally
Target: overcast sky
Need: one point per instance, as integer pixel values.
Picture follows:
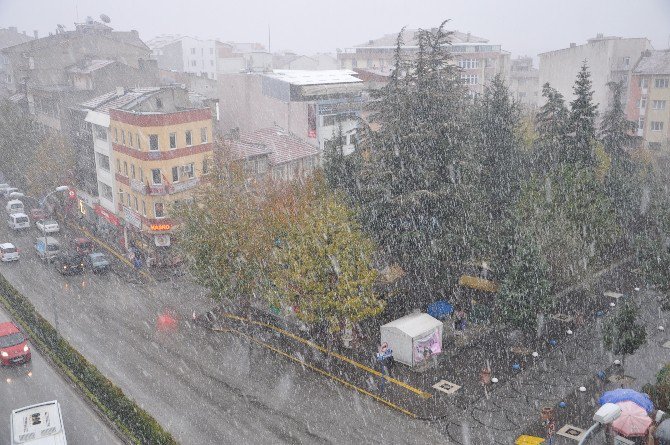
(308, 26)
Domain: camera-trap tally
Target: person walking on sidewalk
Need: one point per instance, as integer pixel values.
(459, 319)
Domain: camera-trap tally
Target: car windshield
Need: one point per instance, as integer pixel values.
(9, 250)
(53, 247)
(22, 219)
(11, 340)
(50, 222)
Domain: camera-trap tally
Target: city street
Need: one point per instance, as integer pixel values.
(36, 382)
(204, 389)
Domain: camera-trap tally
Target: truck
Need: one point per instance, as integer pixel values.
(47, 247)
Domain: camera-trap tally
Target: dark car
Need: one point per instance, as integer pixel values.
(98, 262)
(14, 347)
(83, 246)
(69, 264)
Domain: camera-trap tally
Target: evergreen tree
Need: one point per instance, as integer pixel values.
(551, 123)
(525, 292)
(622, 334)
(582, 122)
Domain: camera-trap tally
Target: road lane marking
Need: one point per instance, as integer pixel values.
(417, 391)
(325, 373)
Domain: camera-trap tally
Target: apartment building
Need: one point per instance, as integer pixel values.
(524, 82)
(649, 100)
(608, 58)
(185, 54)
(479, 59)
(311, 105)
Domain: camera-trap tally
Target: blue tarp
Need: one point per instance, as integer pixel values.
(624, 394)
(440, 309)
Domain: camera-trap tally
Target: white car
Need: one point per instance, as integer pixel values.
(47, 226)
(8, 252)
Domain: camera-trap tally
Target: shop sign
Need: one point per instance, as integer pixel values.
(100, 210)
(87, 199)
(162, 240)
(160, 227)
(132, 217)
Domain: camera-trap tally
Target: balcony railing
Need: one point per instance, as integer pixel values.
(179, 187)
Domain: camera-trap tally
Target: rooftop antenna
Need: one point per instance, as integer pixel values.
(76, 9)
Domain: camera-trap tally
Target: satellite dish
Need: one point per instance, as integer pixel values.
(105, 18)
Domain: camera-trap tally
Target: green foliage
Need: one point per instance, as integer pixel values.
(325, 265)
(18, 143)
(551, 123)
(526, 290)
(659, 393)
(622, 334)
(136, 424)
(582, 122)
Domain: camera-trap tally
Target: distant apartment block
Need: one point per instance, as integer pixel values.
(311, 105)
(185, 54)
(479, 59)
(608, 58)
(649, 100)
(524, 82)
(9, 37)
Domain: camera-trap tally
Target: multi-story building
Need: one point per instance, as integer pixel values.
(524, 82)
(9, 37)
(185, 54)
(312, 105)
(479, 59)
(608, 59)
(649, 100)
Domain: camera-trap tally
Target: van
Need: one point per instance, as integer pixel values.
(14, 206)
(47, 247)
(18, 221)
(38, 424)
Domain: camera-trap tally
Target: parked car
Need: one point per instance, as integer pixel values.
(38, 214)
(69, 264)
(83, 246)
(14, 347)
(14, 206)
(8, 252)
(98, 262)
(47, 226)
(4, 186)
(18, 221)
(47, 247)
(9, 190)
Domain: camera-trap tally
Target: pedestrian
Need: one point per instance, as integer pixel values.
(459, 319)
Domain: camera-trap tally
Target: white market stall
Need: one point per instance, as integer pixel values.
(413, 338)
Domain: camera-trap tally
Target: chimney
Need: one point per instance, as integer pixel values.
(120, 91)
(572, 45)
(36, 34)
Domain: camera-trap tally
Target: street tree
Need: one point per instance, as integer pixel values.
(551, 123)
(52, 165)
(18, 143)
(580, 148)
(622, 334)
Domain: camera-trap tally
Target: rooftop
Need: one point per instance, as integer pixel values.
(654, 62)
(89, 66)
(118, 99)
(281, 146)
(410, 38)
(320, 77)
(10, 37)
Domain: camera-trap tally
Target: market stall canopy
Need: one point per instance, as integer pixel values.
(633, 422)
(411, 336)
(439, 309)
(626, 394)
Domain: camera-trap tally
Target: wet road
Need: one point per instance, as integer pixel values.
(36, 382)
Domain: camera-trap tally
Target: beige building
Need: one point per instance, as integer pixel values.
(524, 82)
(649, 103)
(608, 58)
(477, 57)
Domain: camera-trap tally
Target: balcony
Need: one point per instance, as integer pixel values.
(179, 187)
(138, 186)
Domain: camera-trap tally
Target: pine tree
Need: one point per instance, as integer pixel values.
(525, 292)
(582, 122)
(622, 334)
(551, 123)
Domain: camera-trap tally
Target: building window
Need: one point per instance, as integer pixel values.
(118, 166)
(159, 103)
(205, 166)
(643, 103)
(175, 174)
(144, 208)
(661, 83)
(116, 135)
(128, 199)
(103, 161)
(173, 140)
(468, 63)
(626, 62)
(105, 191)
(156, 175)
(644, 83)
(203, 134)
(469, 79)
(135, 202)
(121, 196)
(130, 137)
(640, 123)
(189, 139)
(125, 169)
(656, 126)
(193, 63)
(141, 175)
(132, 171)
(159, 210)
(192, 50)
(354, 63)
(139, 142)
(187, 170)
(123, 137)
(658, 105)
(100, 132)
(153, 142)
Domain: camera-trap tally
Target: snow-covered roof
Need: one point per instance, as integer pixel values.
(282, 147)
(6, 245)
(162, 40)
(410, 38)
(90, 66)
(656, 62)
(113, 99)
(414, 324)
(314, 77)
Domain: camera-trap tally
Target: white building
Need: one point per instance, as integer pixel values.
(185, 54)
(608, 59)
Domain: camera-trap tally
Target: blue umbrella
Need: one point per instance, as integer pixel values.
(439, 309)
(624, 394)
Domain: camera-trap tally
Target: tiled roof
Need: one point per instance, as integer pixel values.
(90, 66)
(283, 147)
(657, 62)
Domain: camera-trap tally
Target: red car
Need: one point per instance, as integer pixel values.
(14, 347)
